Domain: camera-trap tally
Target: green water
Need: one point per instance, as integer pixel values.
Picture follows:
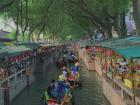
(90, 94)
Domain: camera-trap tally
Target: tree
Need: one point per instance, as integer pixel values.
(136, 14)
(4, 4)
(102, 15)
(66, 18)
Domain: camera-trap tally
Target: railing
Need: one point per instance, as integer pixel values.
(137, 100)
(123, 95)
(12, 76)
(1, 97)
(121, 85)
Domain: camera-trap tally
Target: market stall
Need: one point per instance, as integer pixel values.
(122, 66)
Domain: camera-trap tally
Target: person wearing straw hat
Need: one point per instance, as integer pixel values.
(75, 71)
(76, 67)
(62, 78)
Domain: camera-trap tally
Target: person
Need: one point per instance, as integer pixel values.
(50, 88)
(75, 73)
(65, 72)
(64, 60)
(72, 57)
(76, 68)
(123, 67)
(59, 90)
(71, 80)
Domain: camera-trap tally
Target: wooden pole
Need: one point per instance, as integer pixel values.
(133, 82)
(105, 64)
(102, 62)
(6, 94)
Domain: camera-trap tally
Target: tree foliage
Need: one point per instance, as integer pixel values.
(101, 13)
(66, 18)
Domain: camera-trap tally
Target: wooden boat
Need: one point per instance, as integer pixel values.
(74, 82)
(67, 100)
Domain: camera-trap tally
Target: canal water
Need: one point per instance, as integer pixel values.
(90, 94)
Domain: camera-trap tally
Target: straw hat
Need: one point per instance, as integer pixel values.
(64, 67)
(62, 78)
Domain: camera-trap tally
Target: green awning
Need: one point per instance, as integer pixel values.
(119, 43)
(129, 52)
(128, 47)
(15, 50)
(33, 46)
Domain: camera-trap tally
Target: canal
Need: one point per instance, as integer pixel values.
(90, 94)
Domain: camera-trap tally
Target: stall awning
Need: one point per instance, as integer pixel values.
(33, 46)
(128, 47)
(15, 50)
(129, 52)
(121, 43)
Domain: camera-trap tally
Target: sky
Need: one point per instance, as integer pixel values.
(7, 25)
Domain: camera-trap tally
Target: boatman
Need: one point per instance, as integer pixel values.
(75, 72)
(76, 68)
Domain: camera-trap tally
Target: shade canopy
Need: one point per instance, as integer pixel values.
(129, 52)
(128, 47)
(33, 46)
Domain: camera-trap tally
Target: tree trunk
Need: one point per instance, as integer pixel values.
(136, 14)
(23, 35)
(30, 35)
(29, 38)
(17, 33)
(32, 38)
(120, 25)
(109, 34)
(123, 28)
(17, 22)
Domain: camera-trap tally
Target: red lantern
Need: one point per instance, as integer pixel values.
(110, 53)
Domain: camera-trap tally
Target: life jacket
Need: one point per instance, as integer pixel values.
(47, 96)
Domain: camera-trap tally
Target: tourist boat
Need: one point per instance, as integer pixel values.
(67, 100)
(74, 82)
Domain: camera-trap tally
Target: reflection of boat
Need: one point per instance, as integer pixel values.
(61, 61)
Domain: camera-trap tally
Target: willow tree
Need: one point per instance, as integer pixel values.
(59, 23)
(17, 10)
(67, 17)
(101, 13)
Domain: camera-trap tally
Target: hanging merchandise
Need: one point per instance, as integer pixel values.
(110, 53)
